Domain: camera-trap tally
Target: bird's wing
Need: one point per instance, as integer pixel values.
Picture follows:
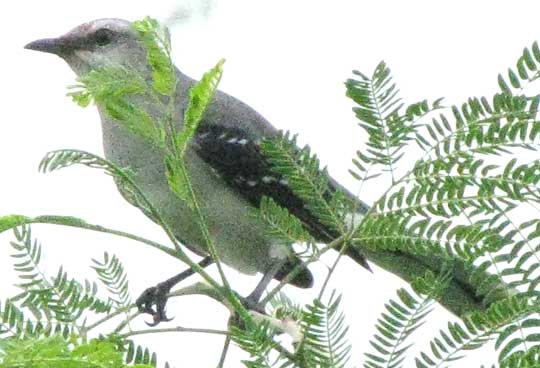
(228, 140)
(238, 160)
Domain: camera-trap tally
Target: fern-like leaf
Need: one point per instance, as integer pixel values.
(59, 159)
(200, 96)
(281, 225)
(110, 88)
(111, 273)
(377, 109)
(14, 323)
(401, 319)
(325, 335)
(257, 340)
(475, 331)
(58, 298)
(301, 169)
(526, 71)
(157, 42)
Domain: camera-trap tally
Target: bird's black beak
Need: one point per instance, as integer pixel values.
(57, 46)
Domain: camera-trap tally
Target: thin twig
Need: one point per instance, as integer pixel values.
(126, 321)
(224, 352)
(109, 317)
(174, 329)
(332, 269)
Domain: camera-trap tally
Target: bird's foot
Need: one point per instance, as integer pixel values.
(155, 295)
(251, 304)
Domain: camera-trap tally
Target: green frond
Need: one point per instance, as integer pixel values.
(325, 342)
(377, 109)
(63, 299)
(57, 352)
(529, 359)
(13, 221)
(27, 256)
(11, 318)
(519, 334)
(104, 83)
(483, 127)
(282, 306)
(525, 72)
(418, 110)
(55, 160)
(257, 341)
(15, 324)
(157, 42)
(301, 169)
(59, 298)
(427, 236)
(59, 159)
(110, 87)
(518, 262)
(448, 186)
(401, 318)
(111, 273)
(471, 288)
(475, 331)
(200, 96)
(281, 225)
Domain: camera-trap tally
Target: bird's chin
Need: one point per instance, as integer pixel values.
(79, 62)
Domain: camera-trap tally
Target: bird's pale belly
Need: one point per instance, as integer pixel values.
(238, 234)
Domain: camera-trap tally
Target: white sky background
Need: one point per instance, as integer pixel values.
(288, 60)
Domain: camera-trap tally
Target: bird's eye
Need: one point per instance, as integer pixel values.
(102, 37)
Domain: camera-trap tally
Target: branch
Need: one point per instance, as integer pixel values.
(174, 329)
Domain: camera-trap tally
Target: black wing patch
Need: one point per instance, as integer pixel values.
(239, 161)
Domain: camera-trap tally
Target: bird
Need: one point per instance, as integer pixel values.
(230, 175)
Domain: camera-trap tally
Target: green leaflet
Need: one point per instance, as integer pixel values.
(475, 331)
(281, 224)
(200, 96)
(178, 178)
(301, 169)
(157, 42)
(58, 298)
(325, 330)
(111, 273)
(377, 109)
(111, 87)
(402, 316)
(526, 71)
(57, 352)
(11, 221)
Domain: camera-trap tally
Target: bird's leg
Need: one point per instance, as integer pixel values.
(157, 295)
(252, 301)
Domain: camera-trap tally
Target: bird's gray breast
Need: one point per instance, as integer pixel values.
(237, 233)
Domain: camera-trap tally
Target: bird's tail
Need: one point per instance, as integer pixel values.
(462, 294)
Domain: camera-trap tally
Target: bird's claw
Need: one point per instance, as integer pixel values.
(156, 295)
(251, 305)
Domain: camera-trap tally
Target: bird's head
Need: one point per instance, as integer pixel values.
(96, 44)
